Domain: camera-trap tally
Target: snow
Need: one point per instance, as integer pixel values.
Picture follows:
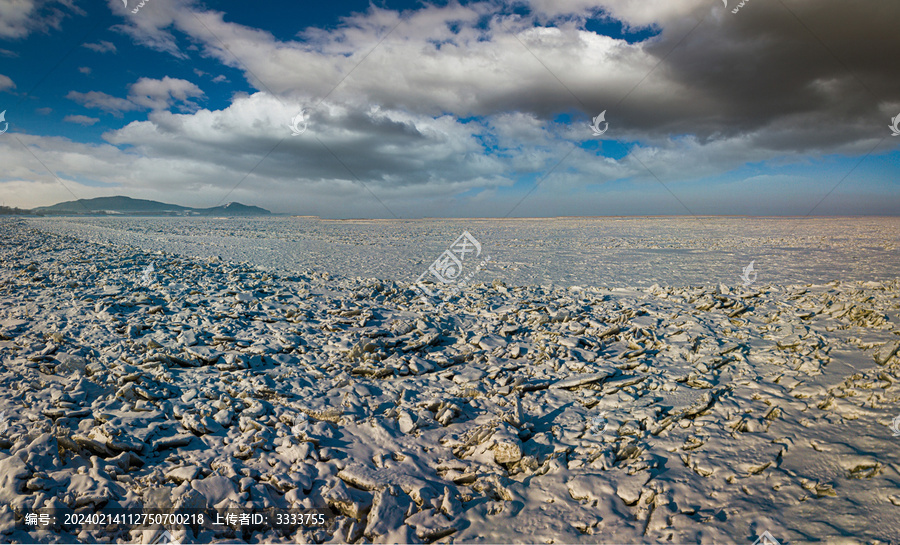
(681, 408)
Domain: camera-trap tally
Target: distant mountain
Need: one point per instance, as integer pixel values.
(233, 209)
(126, 206)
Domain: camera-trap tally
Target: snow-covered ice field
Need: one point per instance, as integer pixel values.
(607, 252)
(601, 381)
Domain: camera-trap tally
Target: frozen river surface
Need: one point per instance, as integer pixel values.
(687, 412)
(603, 252)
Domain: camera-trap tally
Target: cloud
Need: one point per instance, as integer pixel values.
(417, 165)
(460, 103)
(80, 119)
(146, 93)
(44, 111)
(635, 14)
(6, 83)
(174, 156)
(220, 79)
(161, 94)
(152, 28)
(101, 47)
(84, 69)
(19, 18)
(381, 147)
(102, 101)
(468, 60)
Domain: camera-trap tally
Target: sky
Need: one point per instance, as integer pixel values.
(405, 109)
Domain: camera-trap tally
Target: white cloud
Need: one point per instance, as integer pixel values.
(458, 103)
(151, 29)
(634, 13)
(145, 93)
(101, 47)
(417, 165)
(18, 18)
(162, 94)
(13, 16)
(6, 83)
(470, 60)
(432, 69)
(108, 103)
(80, 119)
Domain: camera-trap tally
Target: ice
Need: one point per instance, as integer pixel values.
(590, 252)
(691, 410)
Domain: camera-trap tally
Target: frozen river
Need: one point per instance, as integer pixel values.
(535, 414)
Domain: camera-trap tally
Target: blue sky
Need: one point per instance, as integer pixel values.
(472, 109)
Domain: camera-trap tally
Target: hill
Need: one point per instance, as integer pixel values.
(126, 206)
